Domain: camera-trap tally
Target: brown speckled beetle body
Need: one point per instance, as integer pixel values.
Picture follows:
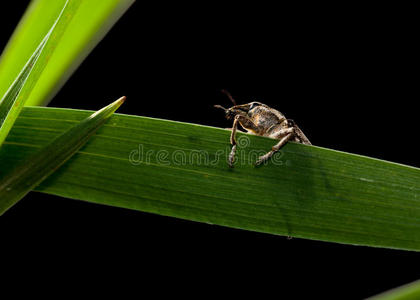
(260, 119)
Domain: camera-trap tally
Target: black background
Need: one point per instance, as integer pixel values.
(345, 75)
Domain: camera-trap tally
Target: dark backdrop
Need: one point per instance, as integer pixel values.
(344, 75)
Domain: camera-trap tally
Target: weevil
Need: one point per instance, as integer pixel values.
(260, 119)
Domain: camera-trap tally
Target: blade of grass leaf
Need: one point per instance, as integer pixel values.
(14, 185)
(14, 99)
(90, 23)
(10, 98)
(180, 170)
(409, 291)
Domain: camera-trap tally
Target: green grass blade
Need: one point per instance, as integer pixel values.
(14, 185)
(409, 291)
(11, 96)
(15, 97)
(90, 23)
(310, 192)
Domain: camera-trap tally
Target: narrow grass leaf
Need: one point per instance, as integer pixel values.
(15, 97)
(89, 24)
(20, 180)
(180, 170)
(409, 291)
(10, 98)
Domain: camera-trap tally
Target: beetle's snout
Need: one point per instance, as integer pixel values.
(230, 113)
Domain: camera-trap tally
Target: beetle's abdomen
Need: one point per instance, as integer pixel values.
(266, 120)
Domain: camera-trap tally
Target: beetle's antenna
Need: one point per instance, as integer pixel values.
(229, 96)
(219, 106)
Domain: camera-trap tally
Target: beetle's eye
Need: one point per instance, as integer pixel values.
(253, 105)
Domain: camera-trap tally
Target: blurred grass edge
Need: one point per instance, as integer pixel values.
(90, 24)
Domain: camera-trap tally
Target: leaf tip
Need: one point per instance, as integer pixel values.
(117, 103)
(122, 100)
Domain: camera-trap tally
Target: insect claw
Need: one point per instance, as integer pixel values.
(261, 160)
(258, 162)
(232, 156)
(231, 163)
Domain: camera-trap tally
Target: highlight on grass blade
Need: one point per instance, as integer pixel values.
(20, 180)
(14, 99)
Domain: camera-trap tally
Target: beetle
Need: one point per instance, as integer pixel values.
(260, 119)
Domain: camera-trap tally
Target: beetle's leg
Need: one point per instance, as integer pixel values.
(233, 141)
(237, 119)
(284, 135)
(275, 148)
(300, 137)
(279, 134)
